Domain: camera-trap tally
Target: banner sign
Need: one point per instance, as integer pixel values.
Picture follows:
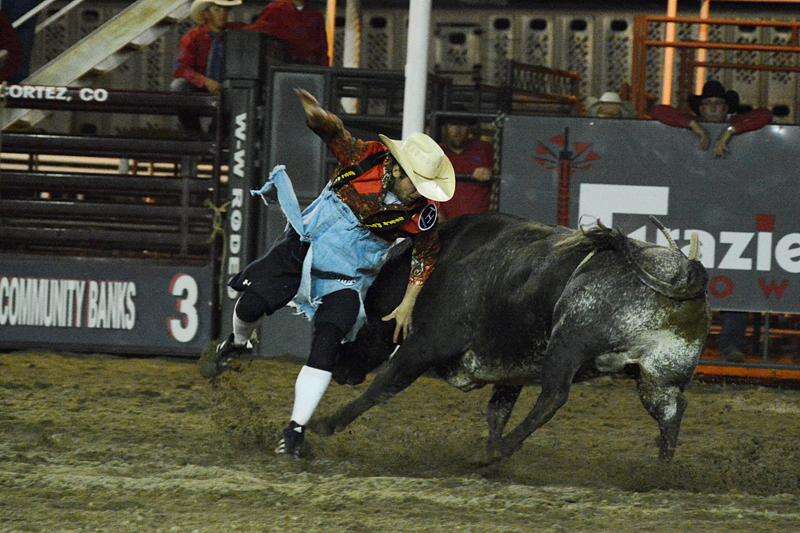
(109, 305)
(47, 92)
(743, 206)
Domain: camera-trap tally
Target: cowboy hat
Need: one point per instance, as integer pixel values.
(714, 89)
(423, 160)
(609, 97)
(198, 6)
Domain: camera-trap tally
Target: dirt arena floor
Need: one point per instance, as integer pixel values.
(100, 442)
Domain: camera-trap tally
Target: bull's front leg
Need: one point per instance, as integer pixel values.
(499, 411)
(403, 369)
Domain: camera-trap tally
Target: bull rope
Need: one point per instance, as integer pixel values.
(577, 268)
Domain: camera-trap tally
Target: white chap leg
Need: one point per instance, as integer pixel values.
(241, 329)
(308, 390)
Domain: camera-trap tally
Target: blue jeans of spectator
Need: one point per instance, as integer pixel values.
(26, 33)
(734, 328)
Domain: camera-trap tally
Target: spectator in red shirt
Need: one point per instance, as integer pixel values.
(302, 29)
(199, 64)
(473, 160)
(714, 104)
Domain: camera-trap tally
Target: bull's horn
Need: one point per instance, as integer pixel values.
(693, 248)
(665, 231)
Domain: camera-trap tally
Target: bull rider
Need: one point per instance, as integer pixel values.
(332, 251)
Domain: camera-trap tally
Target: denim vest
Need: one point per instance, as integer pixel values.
(342, 253)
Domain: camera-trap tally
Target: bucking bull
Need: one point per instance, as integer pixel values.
(513, 302)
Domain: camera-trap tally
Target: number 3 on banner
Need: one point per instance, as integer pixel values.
(185, 328)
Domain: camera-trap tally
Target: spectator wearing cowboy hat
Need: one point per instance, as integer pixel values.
(199, 64)
(302, 30)
(609, 105)
(714, 104)
(330, 253)
(473, 160)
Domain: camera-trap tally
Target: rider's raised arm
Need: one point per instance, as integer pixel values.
(347, 149)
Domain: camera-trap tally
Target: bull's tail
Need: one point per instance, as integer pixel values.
(596, 238)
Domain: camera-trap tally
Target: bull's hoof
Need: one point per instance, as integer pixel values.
(487, 458)
(666, 449)
(504, 449)
(665, 456)
(322, 426)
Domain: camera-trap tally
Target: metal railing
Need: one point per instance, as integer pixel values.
(531, 84)
(105, 48)
(59, 193)
(528, 89)
(49, 20)
(642, 43)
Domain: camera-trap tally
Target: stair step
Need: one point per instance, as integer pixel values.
(111, 62)
(180, 14)
(148, 36)
(104, 49)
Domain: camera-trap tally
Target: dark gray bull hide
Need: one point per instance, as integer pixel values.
(513, 303)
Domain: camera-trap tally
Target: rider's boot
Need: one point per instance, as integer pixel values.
(225, 357)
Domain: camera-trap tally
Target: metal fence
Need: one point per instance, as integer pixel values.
(107, 240)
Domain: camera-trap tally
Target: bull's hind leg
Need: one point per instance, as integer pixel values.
(666, 404)
(664, 371)
(403, 369)
(499, 411)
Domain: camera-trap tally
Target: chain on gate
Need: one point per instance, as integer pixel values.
(497, 142)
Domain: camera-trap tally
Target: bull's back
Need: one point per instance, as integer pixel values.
(459, 238)
(481, 297)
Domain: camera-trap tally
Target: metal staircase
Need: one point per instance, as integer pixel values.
(103, 50)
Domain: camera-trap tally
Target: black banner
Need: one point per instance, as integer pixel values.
(109, 305)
